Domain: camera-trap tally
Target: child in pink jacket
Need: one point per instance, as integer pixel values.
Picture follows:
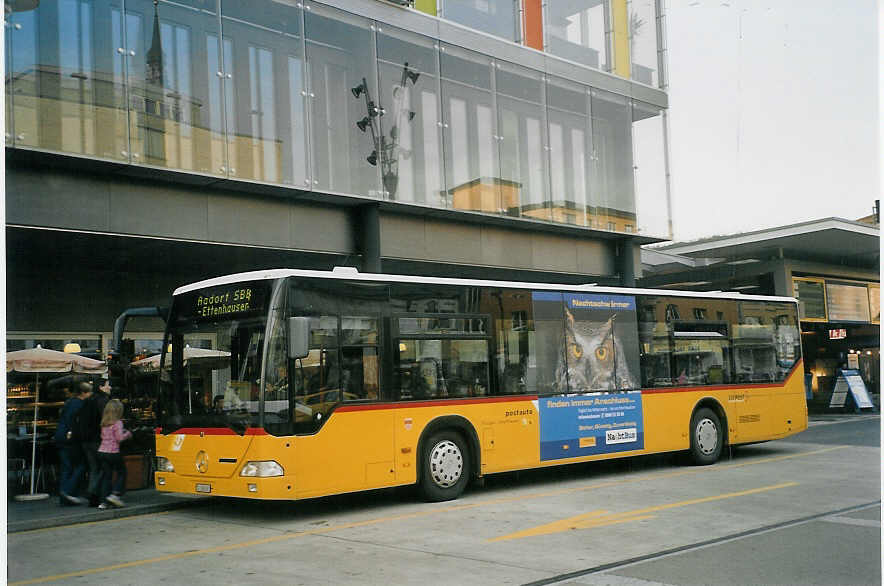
(112, 433)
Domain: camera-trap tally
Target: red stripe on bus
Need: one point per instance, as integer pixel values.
(437, 403)
(212, 431)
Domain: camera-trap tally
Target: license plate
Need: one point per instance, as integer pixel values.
(204, 488)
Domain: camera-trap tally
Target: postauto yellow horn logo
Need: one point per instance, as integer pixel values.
(202, 462)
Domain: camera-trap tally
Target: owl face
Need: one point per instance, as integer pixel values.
(594, 361)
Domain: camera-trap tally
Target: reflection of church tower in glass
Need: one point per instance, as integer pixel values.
(154, 106)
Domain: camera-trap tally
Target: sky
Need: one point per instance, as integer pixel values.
(774, 112)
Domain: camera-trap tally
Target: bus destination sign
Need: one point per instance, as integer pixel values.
(233, 301)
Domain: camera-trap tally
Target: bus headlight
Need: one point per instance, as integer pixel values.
(164, 465)
(262, 469)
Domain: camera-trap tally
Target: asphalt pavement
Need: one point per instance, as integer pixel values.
(40, 514)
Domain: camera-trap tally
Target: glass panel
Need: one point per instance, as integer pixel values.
(411, 167)
(578, 30)
(263, 46)
(847, 302)
(359, 372)
(523, 168)
(172, 71)
(701, 339)
(343, 93)
(701, 362)
(442, 324)
(651, 193)
(567, 105)
(643, 41)
(766, 341)
(67, 79)
(277, 407)
(9, 69)
(514, 335)
(547, 356)
(319, 372)
(811, 297)
(359, 329)
(431, 369)
(654, 342)
(612, 195)
(219, 387)
(470, 150)
(88, 345)
(496, 17)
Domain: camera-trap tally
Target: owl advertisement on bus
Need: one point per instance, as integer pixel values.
(598, 358)
(601, 344)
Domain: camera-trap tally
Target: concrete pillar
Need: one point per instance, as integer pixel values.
(368, 237)
(626, 262)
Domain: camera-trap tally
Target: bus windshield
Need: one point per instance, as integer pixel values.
(211, 372)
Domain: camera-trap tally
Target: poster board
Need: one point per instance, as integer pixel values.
(839, 394)
(850, 382)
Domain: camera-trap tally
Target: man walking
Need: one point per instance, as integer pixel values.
(70, 444)
(93, 409)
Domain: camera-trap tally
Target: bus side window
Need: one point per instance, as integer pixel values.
(513, 319)
(359, 352)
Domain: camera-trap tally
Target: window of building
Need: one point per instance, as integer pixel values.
(579, 31)
(411, 166)
(471, 151)
(643, 41)
(496, 17)
(521, 141)
(649, 148)
(264, 49)
(343, 92)
(569, 134)
(612, 194)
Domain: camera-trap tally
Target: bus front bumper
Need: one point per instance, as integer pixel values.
(278, 487)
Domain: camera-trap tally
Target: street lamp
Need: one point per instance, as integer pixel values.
(386, 147)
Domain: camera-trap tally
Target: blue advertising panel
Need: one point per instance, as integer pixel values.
(590, 424)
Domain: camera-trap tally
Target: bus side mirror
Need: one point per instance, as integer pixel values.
(299, 337)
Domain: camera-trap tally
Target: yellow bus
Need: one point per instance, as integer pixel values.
(291, 384)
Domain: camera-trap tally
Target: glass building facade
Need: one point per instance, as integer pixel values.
(311, 97)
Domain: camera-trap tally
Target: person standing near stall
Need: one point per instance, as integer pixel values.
(93, 409)
(113, 469)
(70, 445)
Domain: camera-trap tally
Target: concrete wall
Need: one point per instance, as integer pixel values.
(124, 205)
(428, 239)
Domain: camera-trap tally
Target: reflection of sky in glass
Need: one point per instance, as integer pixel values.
(75, 35)
(461, 152)
(650, 176)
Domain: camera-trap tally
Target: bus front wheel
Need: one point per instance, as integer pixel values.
(445, 467)
(707, 437)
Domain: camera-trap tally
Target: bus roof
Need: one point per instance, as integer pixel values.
(351, 274)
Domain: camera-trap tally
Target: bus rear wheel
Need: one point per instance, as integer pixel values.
(445, 467)
(707, 437)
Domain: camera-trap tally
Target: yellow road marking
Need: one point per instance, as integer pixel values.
(593, 519)
(652, 477)
(379, 520)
